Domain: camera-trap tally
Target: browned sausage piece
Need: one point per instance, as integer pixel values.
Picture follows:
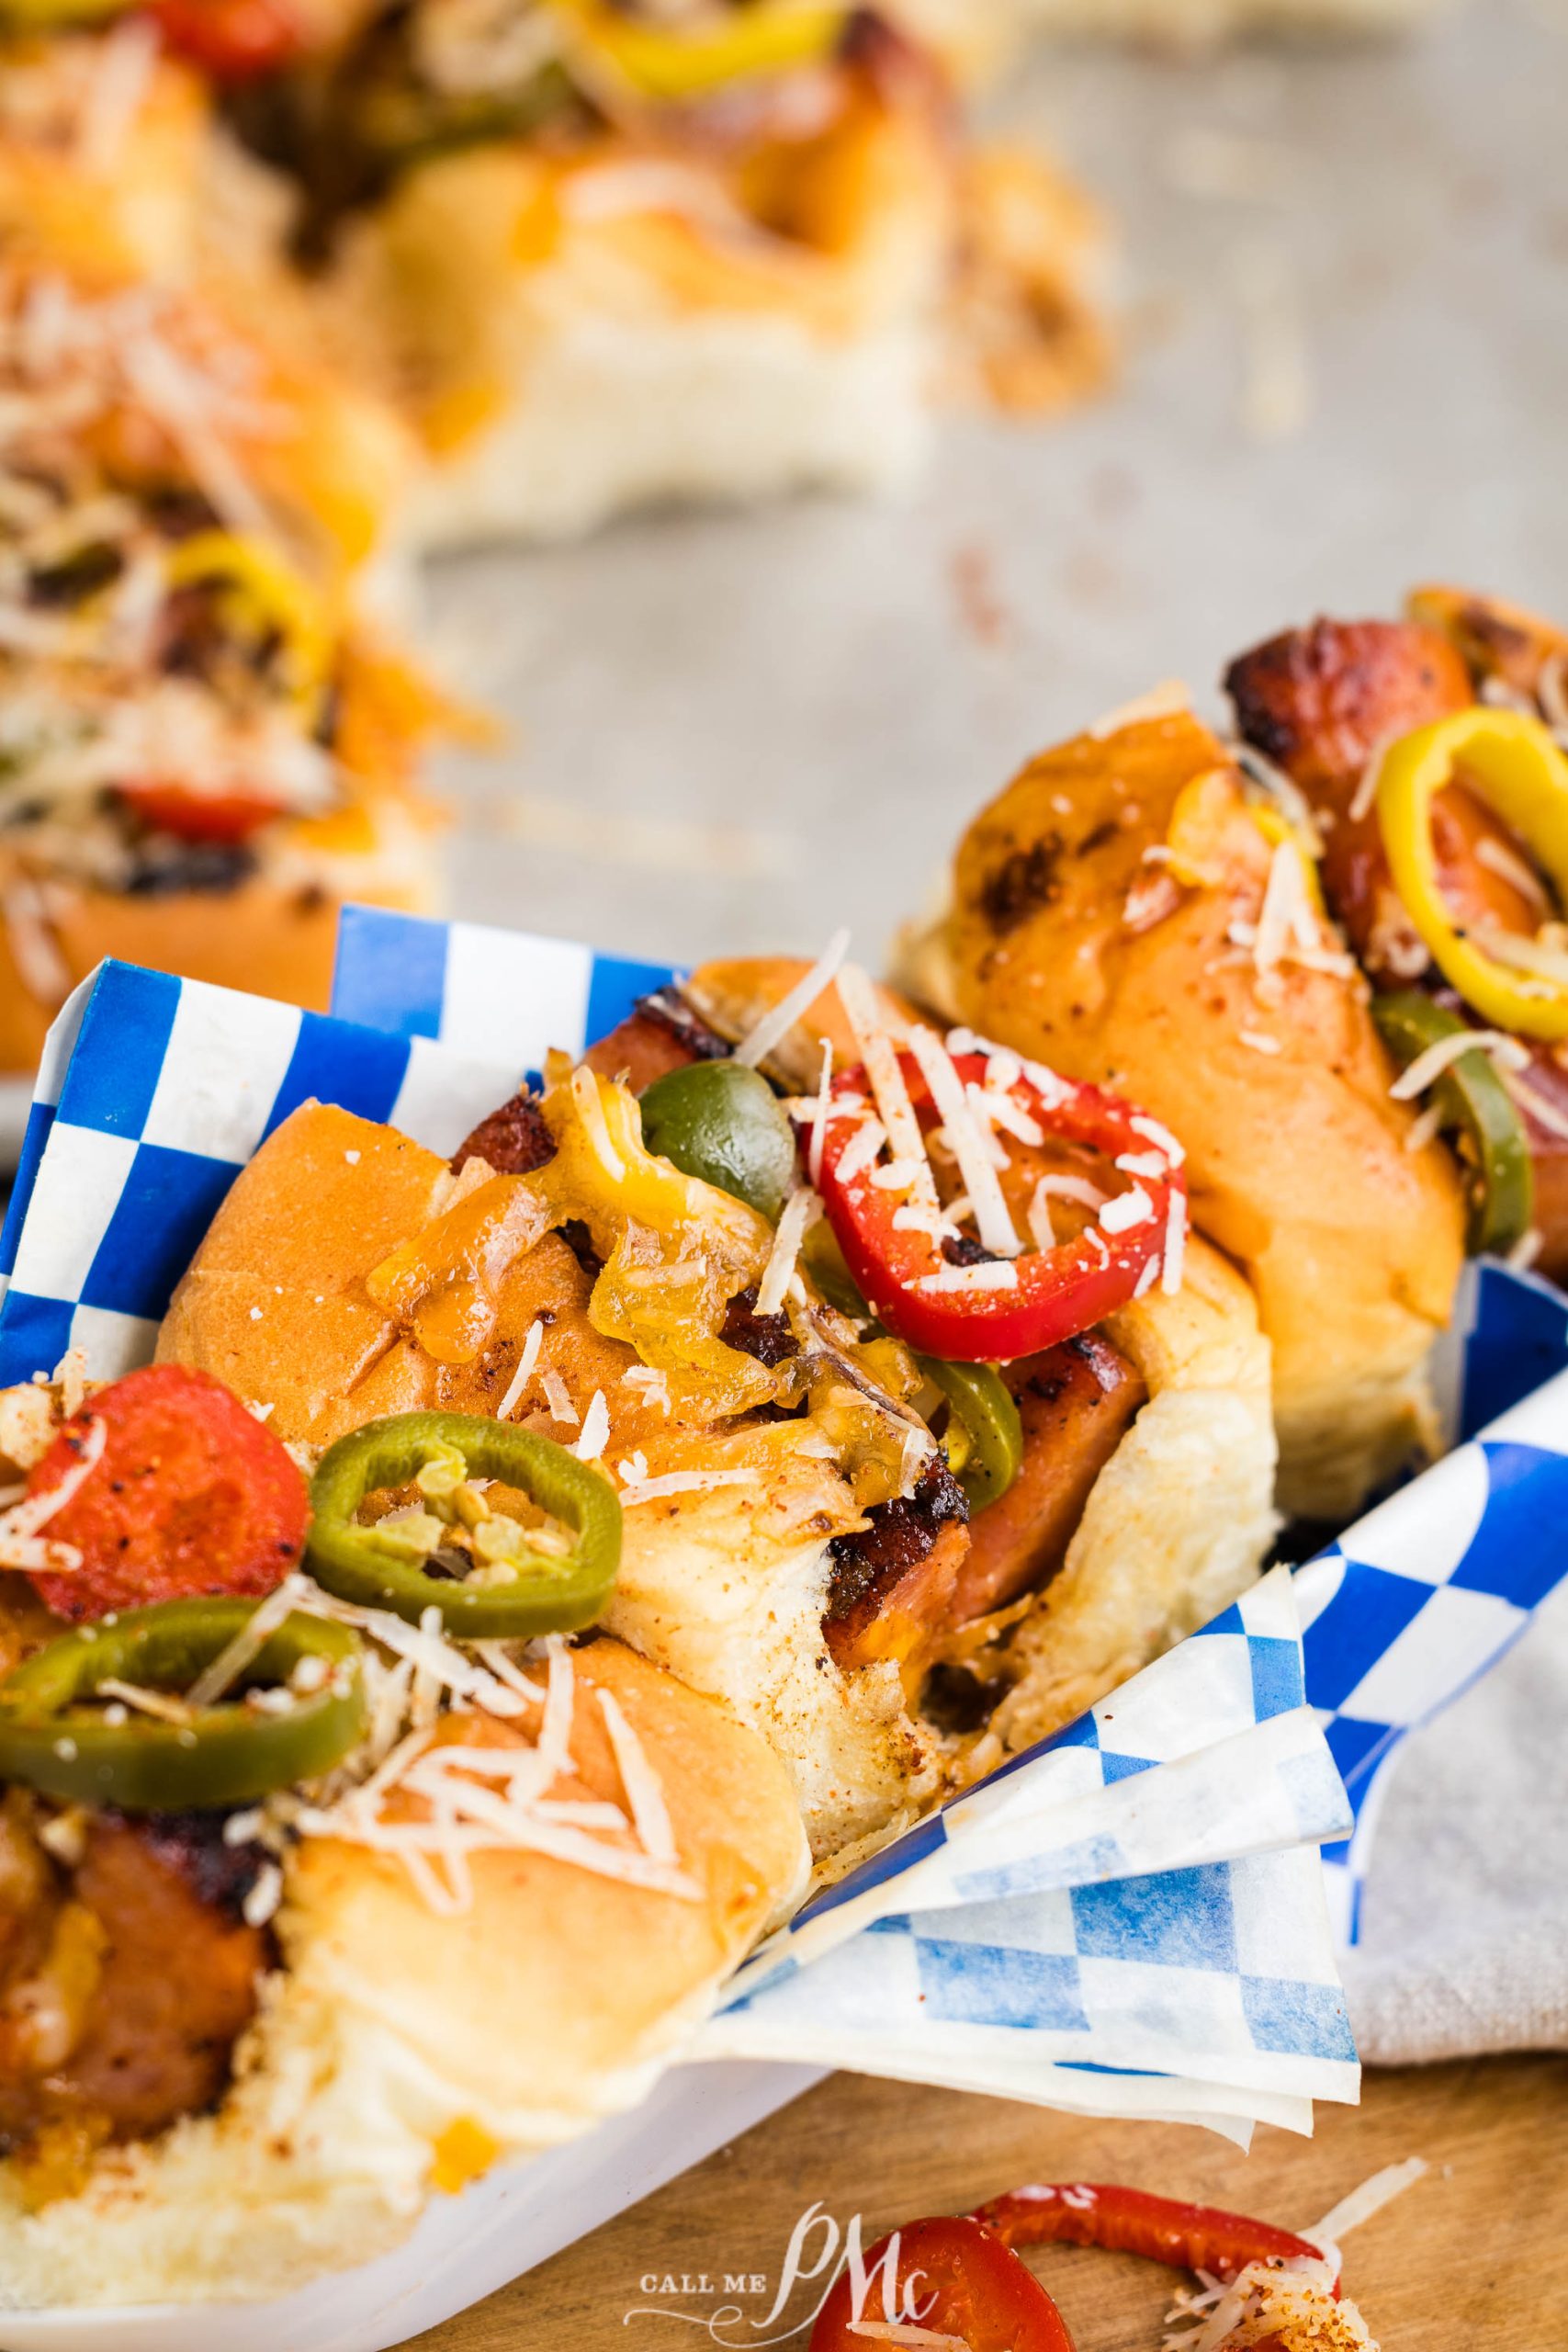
(153, 1979)
(892, 1587)
(1319, 702)
(1076, 1402)
(661, 1034)
(513, 1139)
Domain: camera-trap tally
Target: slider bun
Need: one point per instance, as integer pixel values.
(1179, 1520)
(733, 994)
(399, 2052)
(147, 198)
(1297, 1159)
(565, 357)
(274, 933)
(727, 1587)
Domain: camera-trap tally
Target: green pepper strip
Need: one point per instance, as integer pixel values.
(1473, 1098)
(979, 1398)
(227, 1754)
(543, 1596)
(976, 1393)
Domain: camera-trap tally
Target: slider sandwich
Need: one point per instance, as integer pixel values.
(206, 742)
(928, 1421)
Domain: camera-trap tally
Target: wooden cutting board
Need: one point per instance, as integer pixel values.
(1475, 2255)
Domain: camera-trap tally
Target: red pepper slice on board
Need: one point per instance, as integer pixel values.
(967, 1312)
(221, 817)
(185, 1492)
(234, 40)
(1132, 2221)
(951, 2278)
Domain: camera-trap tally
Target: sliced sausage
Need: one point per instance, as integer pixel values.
(892, 1584)
(1076, 1402)
(1320, 702)
(663, 1032)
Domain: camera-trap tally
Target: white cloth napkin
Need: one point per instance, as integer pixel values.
(1464, 1940)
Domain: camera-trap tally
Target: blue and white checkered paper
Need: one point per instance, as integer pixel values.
(1149, 1846)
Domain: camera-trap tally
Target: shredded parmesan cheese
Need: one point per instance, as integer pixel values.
(1369, 2198)
(653, 1386)
(236, 1654)
(595, 1429)
(116, 92)
(1174, 1251)
(1429, 1065)
(860, 1152)
(1541, 959)
(21, 1542)
(682, 1482)
(997, 1273)
(1143, 1125)
(1125, 1210)
(264, 1897)
(877, 1050)
(800, 1211)
(559, 1398)
(1424, 1128)
(524, 1372)
(1536, 1107)
(650, 1815)
(820, 1119)
(993, 1223)
(167, 1709)
(1512, 869)
(774, 1025)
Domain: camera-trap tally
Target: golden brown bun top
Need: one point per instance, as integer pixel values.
(277, 1301)
(734, 992)
(1496, 639)
(1297, 1158)
(558, 1977)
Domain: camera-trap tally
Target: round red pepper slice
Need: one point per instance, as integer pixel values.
(184, 1492)
(951, 2278)
(996, 1310)
(1135, 2221)
(234, 40)
(219, 817)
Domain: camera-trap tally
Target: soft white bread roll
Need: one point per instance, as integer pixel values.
(577, 338)
(1067, 941)
(400, 2053)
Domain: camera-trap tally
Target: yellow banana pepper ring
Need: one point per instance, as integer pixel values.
(1513, 763)
(53, 14)
(740, 44)
(265, 593)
